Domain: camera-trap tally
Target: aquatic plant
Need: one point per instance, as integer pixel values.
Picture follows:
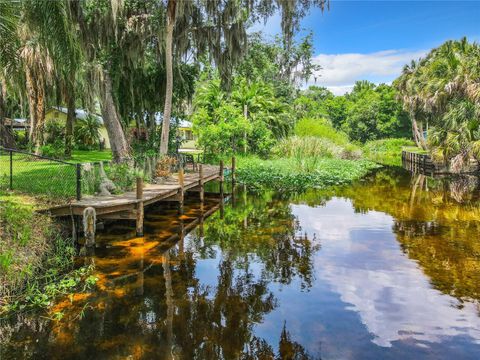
(292, 174)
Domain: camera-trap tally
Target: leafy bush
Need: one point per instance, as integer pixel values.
(87, 133)
(55, 150)
(321, 128)
(54, 130)
(123, 176)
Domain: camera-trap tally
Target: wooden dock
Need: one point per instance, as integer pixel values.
(130, 205)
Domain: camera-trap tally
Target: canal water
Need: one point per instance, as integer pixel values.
(386, 268)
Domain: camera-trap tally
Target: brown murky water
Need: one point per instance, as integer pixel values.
(387, 268)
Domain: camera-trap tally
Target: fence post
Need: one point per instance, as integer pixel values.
(79, 181)
(11, 170)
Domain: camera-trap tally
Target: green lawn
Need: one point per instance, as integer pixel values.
(43, 177)
(84, 156)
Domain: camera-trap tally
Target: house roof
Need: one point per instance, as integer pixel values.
(181, 122)
(82, 114)
(79, 113)
(18, 122)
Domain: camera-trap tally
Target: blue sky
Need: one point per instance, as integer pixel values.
(372, 40)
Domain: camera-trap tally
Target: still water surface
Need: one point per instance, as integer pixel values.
(386, 268)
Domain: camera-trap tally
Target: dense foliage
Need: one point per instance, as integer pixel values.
(441, 92)
(369, 112)
(257, 111)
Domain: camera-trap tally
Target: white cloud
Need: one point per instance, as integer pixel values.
(340, 71)
(363, 262)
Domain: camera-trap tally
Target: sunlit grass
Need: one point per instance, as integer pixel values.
(44, 177)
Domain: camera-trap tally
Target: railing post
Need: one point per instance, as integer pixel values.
(11, 170)
(79, 181)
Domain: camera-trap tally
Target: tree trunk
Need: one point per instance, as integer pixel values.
(152, 126)
(417, 136)
(39, 128)
(69, 125)
(32, 104)
(6, 136)
(167, 111)
(111, 120)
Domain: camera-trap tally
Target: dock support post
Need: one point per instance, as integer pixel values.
(221, 178)
(89, 226)
(202, 188)
(221, 190)
(140, 211)
(181, 182)
(202, 233)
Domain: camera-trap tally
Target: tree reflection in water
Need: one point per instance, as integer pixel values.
(150, 301)
(436, 221)
(208, 288)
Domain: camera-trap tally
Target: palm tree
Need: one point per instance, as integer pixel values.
(443, 89)
(53, 24)
(8, 42)
(87, 132)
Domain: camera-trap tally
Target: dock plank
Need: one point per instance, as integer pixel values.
(127, 201)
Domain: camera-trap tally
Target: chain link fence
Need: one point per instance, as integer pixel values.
(39, 175)
(65, 181)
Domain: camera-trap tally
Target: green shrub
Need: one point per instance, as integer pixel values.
(321, 128)
(54, 130)
(55, 150)
(123, 175)
(87, 133)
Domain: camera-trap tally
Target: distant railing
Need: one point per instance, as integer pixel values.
(39, 175)
(418, 163)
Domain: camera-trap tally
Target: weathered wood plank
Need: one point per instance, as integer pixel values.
(128, 201)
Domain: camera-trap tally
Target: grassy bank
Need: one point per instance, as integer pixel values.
(386, 151)
(36, 257)
(298, 175)
(49, 179)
